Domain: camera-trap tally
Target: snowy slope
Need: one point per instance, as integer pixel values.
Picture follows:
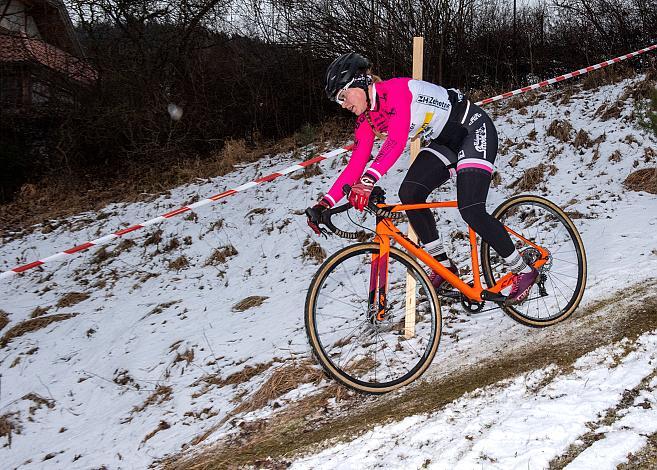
(155, 330)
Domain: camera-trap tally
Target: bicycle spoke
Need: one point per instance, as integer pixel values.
(364, 352)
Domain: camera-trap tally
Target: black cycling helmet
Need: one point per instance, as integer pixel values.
(348, 69)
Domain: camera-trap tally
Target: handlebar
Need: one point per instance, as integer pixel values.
(377, 197)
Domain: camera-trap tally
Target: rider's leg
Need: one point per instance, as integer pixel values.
(474, 171)
(427, 172)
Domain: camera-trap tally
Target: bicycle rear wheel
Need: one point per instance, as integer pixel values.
(562, 279)
(353, 347)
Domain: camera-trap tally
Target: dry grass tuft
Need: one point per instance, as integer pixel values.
(161, 394)
(9, 425)
(72, 298)
(533, 177)
(237, 378)
(4, 319)
(32, 324)
(560, 129)
(179, 263)
(161, 308)
(38, 401)
(313, 251)
(160, 427)
(187, 356)
(101, 255)
(154, 238)
(582, 139)
(642, 180)
(607, 76)
(38, 312)
(308, 172)
(283, 380)
(615, 157)
(249, 302)
(612, 112)
(220, 255)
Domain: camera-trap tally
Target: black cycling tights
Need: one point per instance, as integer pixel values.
(427, 173)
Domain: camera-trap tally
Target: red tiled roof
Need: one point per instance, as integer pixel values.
(23, 49)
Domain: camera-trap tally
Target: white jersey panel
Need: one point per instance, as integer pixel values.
(430, 109)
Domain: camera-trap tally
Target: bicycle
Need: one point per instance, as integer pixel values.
(373, 317)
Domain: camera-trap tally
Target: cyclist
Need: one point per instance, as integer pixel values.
(459, 139)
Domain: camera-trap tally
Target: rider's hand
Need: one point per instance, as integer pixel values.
(360, 192)
(315, 215)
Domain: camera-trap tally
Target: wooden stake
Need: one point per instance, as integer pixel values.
(409, 320)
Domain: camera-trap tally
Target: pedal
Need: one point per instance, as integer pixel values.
(492, 296)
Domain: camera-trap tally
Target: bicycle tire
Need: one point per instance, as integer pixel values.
(527, 204)
(321, 341)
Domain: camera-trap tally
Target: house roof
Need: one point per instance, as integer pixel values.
(23, 49)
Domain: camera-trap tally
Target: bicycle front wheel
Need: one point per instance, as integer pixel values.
(562, 279)
(354, 347)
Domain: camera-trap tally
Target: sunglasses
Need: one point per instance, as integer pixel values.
(340, 95)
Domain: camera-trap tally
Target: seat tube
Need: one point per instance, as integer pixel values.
(475, 260)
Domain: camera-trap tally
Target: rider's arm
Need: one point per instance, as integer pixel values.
(398, 129)
(363, 142)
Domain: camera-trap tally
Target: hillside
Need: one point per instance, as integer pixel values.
(192, 333)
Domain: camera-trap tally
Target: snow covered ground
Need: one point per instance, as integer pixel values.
(138, 362)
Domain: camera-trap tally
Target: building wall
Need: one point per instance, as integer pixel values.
(17, 20)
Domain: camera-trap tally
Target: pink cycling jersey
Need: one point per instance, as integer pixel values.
(402, 108)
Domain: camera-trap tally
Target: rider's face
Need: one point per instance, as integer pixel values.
(354, 100)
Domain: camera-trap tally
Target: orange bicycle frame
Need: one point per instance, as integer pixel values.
(386, 230)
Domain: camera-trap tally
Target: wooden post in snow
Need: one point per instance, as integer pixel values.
(409, 320)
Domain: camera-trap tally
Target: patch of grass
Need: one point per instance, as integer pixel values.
(561, 130)
(160, 427)
(647, 112)
(154, 238)
(101, 255)
(313, 251)
(71, 299)
(615, 157)
(282, 380)
(611, 416)
(249, 302)
(38, 312)
(4, 319)
(9, 425)
(38, 402)
(32, 324)
(187, 356)
(612, 112)
(582, 140)
(644, 458)
(642, 180)
(533, 177)
(221, 255)
(161, 394)
(161, 308)
(179, 263)
(236, 378)
(308, 172)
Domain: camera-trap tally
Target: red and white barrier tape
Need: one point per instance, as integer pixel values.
(204, 202)
(561, 78)
(332, 154)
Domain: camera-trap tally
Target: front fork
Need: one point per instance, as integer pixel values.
(378, 295)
